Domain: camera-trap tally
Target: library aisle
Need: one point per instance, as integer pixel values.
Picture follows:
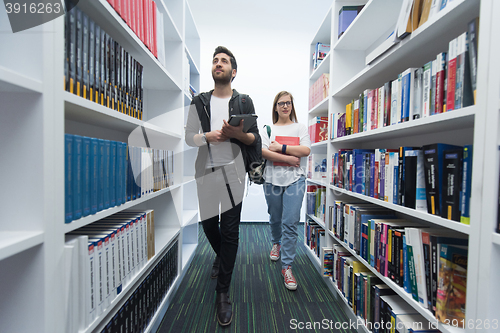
(261, 303)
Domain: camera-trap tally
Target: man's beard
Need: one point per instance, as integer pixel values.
(224, 79)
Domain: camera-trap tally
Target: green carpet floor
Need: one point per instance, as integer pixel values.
(261, 303)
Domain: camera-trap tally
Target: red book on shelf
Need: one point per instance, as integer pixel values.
(452, 75)
(131, 15)
(155, 48)
(140, 17)
(289, 141)
(146, 23)
(112, 3)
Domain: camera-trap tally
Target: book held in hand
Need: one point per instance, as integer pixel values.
(289, 141)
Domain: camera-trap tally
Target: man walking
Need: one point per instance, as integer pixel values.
(220, 168)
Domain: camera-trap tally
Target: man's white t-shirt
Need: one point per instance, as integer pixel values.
(221, 153)
(285, 175)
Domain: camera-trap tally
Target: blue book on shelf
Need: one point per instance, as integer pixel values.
(86, 176)
(107, 155)
(77, 177)
(372, 175)
(94, 174)
(112, 173)
(406, 268)
(125, 171)
(466, 185)
(405, 97)
(68, 179)
(119, 171)
(100, 175)
(358, 186)
(138, 174)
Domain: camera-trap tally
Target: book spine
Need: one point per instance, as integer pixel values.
(68, 173)
(452, 72)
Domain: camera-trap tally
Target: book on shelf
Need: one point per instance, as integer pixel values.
(452, 182)
(320, 52)
(414, 190)
(434, 171)
(347, 14)
(472, 42)
(452, 285)
(318, 129)
(466, 184)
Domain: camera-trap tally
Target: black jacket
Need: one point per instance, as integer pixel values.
(199, 122)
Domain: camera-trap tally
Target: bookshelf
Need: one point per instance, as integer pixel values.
(36, 113)
(478, 125)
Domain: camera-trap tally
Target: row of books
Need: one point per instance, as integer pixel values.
(413, 14)
(100, 174)
(314, 236)
(316, 201)
(317, 166)
(441, 85)
(318, 129)
(381, 310)
(321, 50)
(435, 178)
(412, 255)
(146, 21)
(99, 69)
(318, 91)
(136, 314)
(103, 258)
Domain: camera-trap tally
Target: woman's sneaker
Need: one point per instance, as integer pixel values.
(275, 252)
(290, 282)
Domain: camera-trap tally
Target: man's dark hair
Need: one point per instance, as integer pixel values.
(222, 49)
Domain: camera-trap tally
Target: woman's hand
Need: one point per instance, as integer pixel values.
(293, 161)
(275, 146)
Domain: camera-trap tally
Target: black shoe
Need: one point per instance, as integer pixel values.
(215, 268)
(224, 309)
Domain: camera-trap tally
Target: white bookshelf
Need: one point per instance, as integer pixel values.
(36, 112)
(478, 125)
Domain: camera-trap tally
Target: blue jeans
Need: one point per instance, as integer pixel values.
(283, 206)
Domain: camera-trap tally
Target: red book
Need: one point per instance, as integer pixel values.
(440, 74)
(452, 75)
(146, 23)
(155, 45)
(112, 3)
(139, 16)
(289, 141)
(132, 13)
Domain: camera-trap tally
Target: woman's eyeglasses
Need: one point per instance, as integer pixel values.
(282, 104)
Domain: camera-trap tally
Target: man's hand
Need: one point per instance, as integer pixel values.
(275, 146)
(216, 136)
(235, 132)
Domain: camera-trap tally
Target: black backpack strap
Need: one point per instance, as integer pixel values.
(242, 99)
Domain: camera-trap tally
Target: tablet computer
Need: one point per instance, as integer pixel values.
(249, 120)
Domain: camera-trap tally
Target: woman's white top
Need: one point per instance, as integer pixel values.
(285, 175)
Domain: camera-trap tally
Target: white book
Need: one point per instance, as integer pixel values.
(403, 18)
(417, 93)
(72, 286)
(394, 166)
(426, 89)
(415, 237)
(394, 101)
(398, 96)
